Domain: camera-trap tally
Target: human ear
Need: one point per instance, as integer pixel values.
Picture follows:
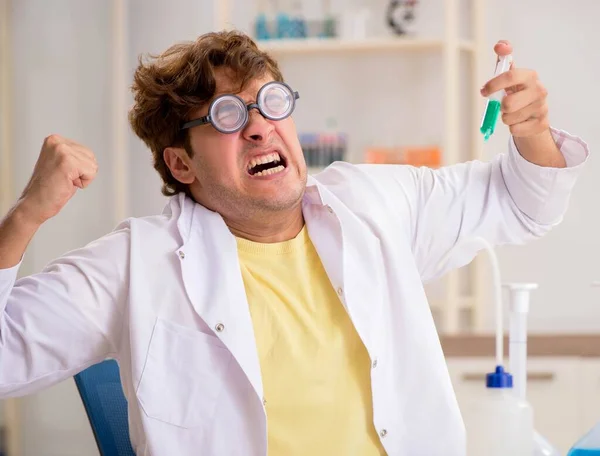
(179, 163)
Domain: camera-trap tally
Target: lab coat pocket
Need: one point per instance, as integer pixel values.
(184, 374)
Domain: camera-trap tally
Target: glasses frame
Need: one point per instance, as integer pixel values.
(207, 119)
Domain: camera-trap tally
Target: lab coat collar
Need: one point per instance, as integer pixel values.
(314, 192)
(181, 207)
(208, 250)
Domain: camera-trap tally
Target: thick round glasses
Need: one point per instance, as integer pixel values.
(229, 113)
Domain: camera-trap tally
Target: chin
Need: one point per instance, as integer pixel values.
(281, 202)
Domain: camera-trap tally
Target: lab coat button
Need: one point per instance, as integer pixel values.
(340, 291)
(264, 401)
(330, 209)
(374, 363)
(220, 327)
(181, 254)
(383, 433)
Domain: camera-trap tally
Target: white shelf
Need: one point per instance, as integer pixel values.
(334, 45)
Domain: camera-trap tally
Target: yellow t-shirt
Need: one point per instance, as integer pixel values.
(315, 369)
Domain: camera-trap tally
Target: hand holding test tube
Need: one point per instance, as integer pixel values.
(518, 95)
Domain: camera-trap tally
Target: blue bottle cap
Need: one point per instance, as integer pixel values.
(499, 379)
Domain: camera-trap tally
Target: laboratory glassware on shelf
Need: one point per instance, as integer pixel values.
(285, 20)
(262, 22)
(322, 149)
(430, 156)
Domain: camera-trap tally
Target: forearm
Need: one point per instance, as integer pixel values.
(69, 315)
(16, 231)
(509, 201)
(541, 150)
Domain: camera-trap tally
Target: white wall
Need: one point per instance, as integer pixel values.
(62, 82)
(154, 25)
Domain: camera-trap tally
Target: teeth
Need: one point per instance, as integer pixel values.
(266, 172)
(273, 157)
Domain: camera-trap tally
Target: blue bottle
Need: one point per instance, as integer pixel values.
(284, 25)
(588, 445)
(584, 452)
(297, 22)
(261, 27)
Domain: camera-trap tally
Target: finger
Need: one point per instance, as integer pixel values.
(86, 176)
(53, 140)
(89, 165)
(511, 78)
(514, 88)
(76, 147)
(503, 47)
(85, 182)
(537, 109)
(77, 183)
(516, 101)
(82, 150)
(85, 152)
(530, 127)
(72, 142)
(85, 170)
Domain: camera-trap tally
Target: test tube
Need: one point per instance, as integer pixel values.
(492, 109)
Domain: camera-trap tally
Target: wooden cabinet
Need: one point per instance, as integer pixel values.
(564, 393)
(553, 391)
(590, 392)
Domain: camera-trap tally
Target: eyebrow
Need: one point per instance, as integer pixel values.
(216, 95)
(231, 92)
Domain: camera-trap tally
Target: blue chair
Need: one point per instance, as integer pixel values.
(106, 407)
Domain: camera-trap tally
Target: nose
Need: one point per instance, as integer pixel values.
(258, 129)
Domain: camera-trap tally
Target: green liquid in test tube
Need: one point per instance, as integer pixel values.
(492, 109)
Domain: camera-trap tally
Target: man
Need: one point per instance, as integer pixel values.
(264, 308)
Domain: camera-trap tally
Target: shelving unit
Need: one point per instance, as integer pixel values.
(450, 47)
(289, 47)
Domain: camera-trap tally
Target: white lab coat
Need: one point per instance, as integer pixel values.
(165, 297)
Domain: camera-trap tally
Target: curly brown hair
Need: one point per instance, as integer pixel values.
(168, 87)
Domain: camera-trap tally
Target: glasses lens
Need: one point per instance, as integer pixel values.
(276, 101)
(228, 114)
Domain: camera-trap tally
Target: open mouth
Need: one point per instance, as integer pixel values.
(267, 164)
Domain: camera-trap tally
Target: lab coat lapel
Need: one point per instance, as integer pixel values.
(213, 281)
(353, 247)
